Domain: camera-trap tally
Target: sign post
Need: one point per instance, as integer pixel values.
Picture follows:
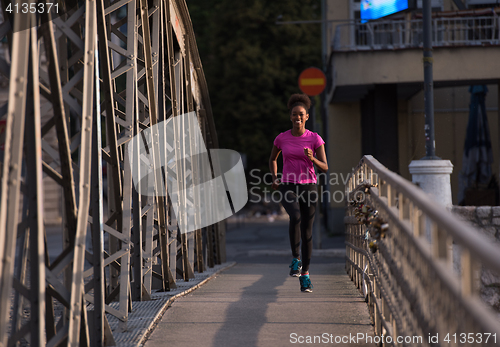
(312, 81)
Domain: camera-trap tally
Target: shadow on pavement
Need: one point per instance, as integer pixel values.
(249, 313)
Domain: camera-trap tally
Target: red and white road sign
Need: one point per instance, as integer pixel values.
(312, 81)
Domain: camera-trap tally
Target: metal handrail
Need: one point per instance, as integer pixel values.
(401, 34)
(462, 233)
(411, 285)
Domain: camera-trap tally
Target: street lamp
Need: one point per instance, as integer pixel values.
(430, 143)
(430, 173)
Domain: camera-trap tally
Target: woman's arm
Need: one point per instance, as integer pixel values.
(273, 166)
(320, 160)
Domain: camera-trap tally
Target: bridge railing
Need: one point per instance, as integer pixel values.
(418, 266)
(400, 34)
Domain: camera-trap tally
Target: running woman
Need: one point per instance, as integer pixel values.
(302, 149)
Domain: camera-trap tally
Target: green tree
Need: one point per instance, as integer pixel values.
(252, 66)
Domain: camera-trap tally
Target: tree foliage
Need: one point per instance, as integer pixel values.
(252, 66)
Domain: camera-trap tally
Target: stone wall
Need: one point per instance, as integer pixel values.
(487, 220)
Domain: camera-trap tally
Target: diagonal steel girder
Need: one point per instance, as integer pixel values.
(122, 66)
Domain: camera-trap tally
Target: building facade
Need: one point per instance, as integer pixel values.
(375, 99)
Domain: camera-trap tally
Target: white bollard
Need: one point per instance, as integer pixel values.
(433, 176)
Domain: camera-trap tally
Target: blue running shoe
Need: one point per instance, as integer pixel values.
(305, 284)
(295, 267)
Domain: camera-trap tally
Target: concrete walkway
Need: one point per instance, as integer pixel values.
(256, 303)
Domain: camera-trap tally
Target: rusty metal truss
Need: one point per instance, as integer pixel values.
(98, 74)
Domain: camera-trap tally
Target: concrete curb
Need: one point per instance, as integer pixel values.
(145, 315)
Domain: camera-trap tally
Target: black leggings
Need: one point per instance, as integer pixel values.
(299, 201)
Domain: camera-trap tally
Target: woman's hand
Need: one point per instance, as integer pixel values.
(309, 153)
(320, 160)
(276, 183)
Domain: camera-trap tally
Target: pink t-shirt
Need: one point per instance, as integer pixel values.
(297, 168)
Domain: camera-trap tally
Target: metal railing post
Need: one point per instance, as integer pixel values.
(416, 287)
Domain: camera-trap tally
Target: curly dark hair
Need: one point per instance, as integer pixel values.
(299, 100)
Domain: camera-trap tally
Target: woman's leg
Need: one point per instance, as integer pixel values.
(307, 203)
(291, 206)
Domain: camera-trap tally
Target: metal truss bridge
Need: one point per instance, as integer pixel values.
(85, 82)
(82, 83)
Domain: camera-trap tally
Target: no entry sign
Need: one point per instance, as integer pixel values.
(312, 81)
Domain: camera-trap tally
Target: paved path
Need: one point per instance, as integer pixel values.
(256, 303)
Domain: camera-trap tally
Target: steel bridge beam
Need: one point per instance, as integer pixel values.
(82, 85)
